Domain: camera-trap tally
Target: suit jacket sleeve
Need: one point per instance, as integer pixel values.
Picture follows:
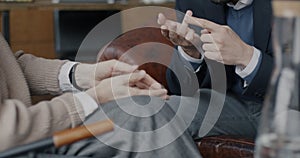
(258, 86)
(181, 78)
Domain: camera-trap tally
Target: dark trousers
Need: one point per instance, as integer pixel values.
(150, 127)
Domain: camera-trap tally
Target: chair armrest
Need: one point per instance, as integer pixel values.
(62, 138)
(226, 147)
(145, 47)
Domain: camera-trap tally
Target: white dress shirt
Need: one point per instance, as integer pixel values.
(242, 72)
(240, 4)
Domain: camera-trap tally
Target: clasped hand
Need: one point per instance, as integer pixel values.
(110, 80)
(219, 42)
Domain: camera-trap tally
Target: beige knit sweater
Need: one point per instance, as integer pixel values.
(20, 121)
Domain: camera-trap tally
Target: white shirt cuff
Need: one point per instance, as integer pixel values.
(189, 58)
(63, 77)
(251, 66)
(89, 105)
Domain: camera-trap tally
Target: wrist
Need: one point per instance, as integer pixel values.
(99, 93)
(247, 55)
(83, 76)
(92, 93)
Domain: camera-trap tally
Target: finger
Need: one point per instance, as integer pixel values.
(140, 85)
(204, 31)
(113, 74)
(148, 83)
(190, 35)
(165, 31)
(189, 13)
(137, 76)
(198, 43)
(210, 47)
(130, 79)
(214, 56)
(182, 29)
(206, 38)
(196, 39)
(206, 24)
(161, 20)
(121, 67)
(156, 92)
(165, 97)
(151, 82)
(172, 31)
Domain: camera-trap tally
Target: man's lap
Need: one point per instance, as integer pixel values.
(148, 143)
(234, 118)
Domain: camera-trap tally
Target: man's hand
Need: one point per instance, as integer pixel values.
(89, 75)
(222, 44)
(137, 83)
(180, 34)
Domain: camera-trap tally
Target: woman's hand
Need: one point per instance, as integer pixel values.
(136, 83)
(90, 75)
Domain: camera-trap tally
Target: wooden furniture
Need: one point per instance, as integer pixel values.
(1, 21)
(48, 5)
(31, 25)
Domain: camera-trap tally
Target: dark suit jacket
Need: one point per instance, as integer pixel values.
(262, 12)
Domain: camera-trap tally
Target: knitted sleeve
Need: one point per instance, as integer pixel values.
(21, 124)
(41, 74)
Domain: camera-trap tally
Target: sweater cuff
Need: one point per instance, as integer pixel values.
(74, 107)
(88, 104)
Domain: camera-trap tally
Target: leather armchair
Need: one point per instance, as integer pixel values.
(135, 47)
